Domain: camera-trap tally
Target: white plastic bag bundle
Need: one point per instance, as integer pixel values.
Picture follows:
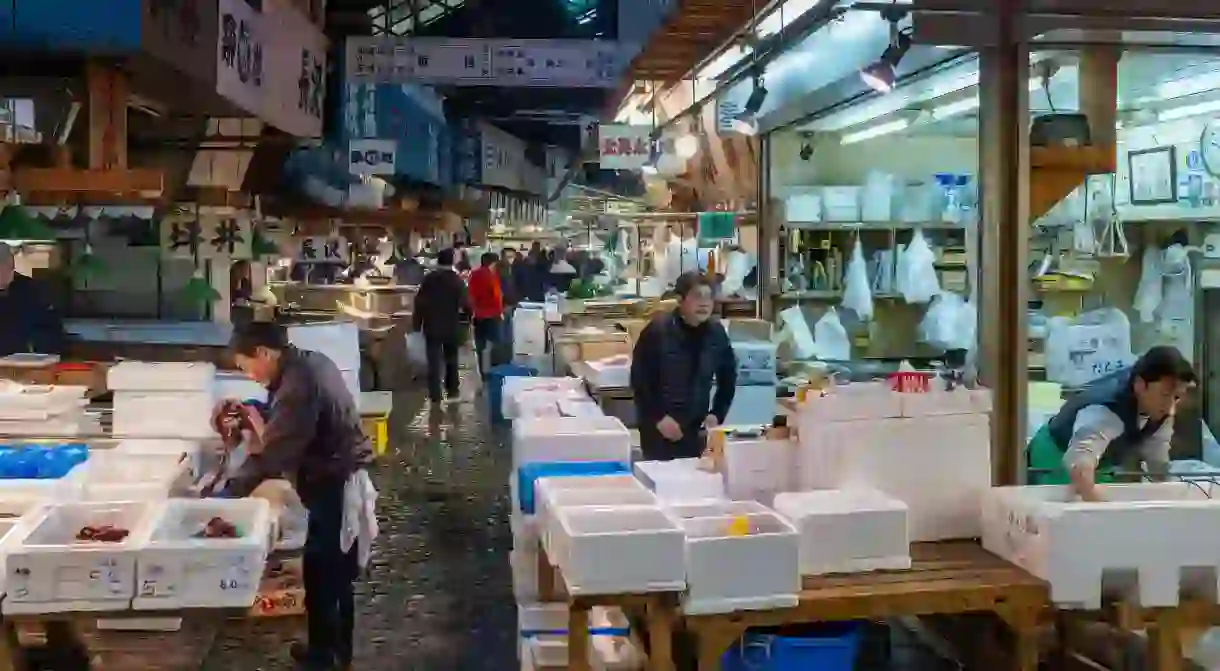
(417, 350)
(739, 265)
(950, 323)
(857, 296)
(830, 338)
(916, 276)
(795, 328)
(1148, 294)
(1092, 345)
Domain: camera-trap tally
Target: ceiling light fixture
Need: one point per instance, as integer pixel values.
(876, 131)
(881, 75)
(1185, 111)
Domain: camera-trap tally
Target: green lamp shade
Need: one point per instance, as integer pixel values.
(17, 224)
(199, 291)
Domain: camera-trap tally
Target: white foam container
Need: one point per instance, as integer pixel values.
(848, 531)
(524, 563)
(176, 570)
(725, 573)
(520, 388)
(338, 340)
(626, 549)
(19, 496)
(552, 494)
(36, 403)
(1145, 542)
(163, 414)
(49, 571)
(115, 476)
(714, 508)
(679, 480)
(170, 376)
(188, 451)
(551, 439)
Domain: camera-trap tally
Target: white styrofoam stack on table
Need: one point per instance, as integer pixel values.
(188, 451)
(1145, 542)
(727, 572)
(619, 550)
(49, 571)
(679, 480)
(555, 494)
(521, 389)
(758, 468)
(551, 439)
(20, 495)
(716, 508)
(529, 329)
(10, 528)
(612, 371)
(116, 476)
(848, 531)
(163, 400)
(37, 403)
(338, 340)
(524, 563)
(177, 569)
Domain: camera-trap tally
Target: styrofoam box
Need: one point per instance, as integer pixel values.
(939, 466)
(338, 340)
(542, 403)
(542, 619)
(557, 500)
(1146, 542)
(551, 439)
(524, 528)
(841, 203)
(626, 549)
(960, 401)
(848, 531)
(726, 573)
(172, 376)
(718, 508)
(116, 476)
(517, 385)
(67, 424)
(177, 570)
(609, 374)
(821, 459)
(524, 562)
(679, 480)
(163, 414)
(40, 403)
(188, 451)
(851, 402)
(50, 571)
(759, 469)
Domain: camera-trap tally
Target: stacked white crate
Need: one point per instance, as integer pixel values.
(529, 329)
(339, 341)
(931, 450)
(1146, 542)
(848, 531)
(680, 480)
(41, 410)
(118, 476)
(163, 400)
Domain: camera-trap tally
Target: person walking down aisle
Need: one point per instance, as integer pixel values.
(487, 306)
(29, 321)
(311, 436)
(439, 305)
(677, 360)
(1114, 420)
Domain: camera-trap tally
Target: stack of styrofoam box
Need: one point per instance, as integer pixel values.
(117, 476)
(679, 480)
(612, 371)
(848, 531)
(521, 393)
(175, 569)
(553, 494)
(529, 329)
(1148, 541)
(864, 435)
(163, 400)
(49, 571)
(189, 452)
(339, 341)
(570, 439)
(758, 468)
(727, 572)
(42, 410)
(548, 623)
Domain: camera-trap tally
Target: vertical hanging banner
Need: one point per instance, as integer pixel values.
(180, 236)
(623, 147)
(240, 49)
(226, 237)
(294, 69)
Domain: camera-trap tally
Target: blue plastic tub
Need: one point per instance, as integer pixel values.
(829, 646)
(529, 473)
(495, 386)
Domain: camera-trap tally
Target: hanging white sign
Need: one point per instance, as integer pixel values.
(372, 157)
(239, 55)
(623, 147)
(321, 249)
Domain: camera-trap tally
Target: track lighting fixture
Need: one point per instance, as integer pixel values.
(881, 76)
(746, 123)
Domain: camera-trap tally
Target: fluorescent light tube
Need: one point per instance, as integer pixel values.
(1188, 111)
(875, 131)
(954, 109)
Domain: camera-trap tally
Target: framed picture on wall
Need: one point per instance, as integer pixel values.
(1153, 176)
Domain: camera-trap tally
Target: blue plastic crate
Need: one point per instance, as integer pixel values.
(829, 646)
(495, 386)
(529, 473)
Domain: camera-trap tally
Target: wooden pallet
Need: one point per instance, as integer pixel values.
(947, 578)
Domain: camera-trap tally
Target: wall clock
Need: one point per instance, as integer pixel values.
(1209, 147)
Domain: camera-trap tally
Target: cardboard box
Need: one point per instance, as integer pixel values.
(281, 592)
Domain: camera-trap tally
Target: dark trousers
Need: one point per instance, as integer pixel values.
(487, 334)
(330, 574)
(655, 447)
(442, 359)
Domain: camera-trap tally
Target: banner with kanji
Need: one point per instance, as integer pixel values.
(180, 236)
(623, 147)
(226, 237)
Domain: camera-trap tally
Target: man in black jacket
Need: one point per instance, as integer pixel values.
(677, 360)
(29, 321)
(439, 305)
(312, 436)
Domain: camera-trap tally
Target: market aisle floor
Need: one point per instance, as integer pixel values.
(439, 592)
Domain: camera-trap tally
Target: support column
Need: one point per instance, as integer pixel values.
(1004, 195)
(108, 91)
(1099, 92)
(768, 232)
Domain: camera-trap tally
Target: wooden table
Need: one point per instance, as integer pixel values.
(949, 578)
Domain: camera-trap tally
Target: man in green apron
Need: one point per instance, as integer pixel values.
(1114, 420)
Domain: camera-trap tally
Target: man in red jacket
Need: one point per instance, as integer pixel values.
(487, 302)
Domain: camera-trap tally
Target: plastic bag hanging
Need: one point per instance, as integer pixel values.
(917, 271)
(830, 340)
(857, 296)
(1148, 294)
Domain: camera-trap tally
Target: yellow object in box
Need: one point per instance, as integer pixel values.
(740, 526)
(377, 428)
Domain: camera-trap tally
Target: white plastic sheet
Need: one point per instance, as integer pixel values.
(950, 323)
(856, 294)
(830, 338)
(916, 277)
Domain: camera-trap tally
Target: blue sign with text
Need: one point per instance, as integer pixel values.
(111, 27)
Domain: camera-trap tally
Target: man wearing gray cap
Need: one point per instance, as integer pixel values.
(29, 321)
